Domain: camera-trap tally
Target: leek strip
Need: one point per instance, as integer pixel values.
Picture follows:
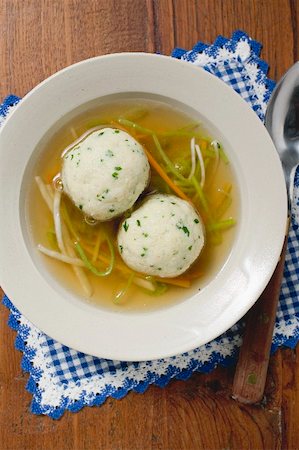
(52, 239)
(160, 288)
(222, 225)
(57, 221)
(136, 113)
(167, 161)
(44, 193)
(135, 126)
(223, 207)
(56, 255)
(201, 196)
(186, 128)
(90, 266)
(120, 294)
(143, 130)
(225, 202)
(180, 134)
(216, 238)
(223, 156)
(210, 153)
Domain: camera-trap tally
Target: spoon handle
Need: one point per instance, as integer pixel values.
(251, 371)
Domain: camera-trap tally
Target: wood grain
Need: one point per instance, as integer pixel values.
(252, 366)
(39, 37)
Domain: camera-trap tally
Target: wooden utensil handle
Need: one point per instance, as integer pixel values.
(251, 371)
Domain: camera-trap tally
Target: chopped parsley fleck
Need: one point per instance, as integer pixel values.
(109, 153)
(172, 215)
(121, 248)
(72, 156)
(138, 223)
(185, 230)
(144, 251)
(145, 234)
(196, 221)
(78, 162)
(101, 160)
(126, 226)
(101, 133)
(127, 140)
(173, 203)
(111, 210)
(181, 226)
(89, 148)
(190, 248)
(162, 201)
(159, 268)
(115, 175)
(116, 131)
(81, 207)
(118, 168)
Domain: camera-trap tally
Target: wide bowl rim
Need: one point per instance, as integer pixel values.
(170, 344)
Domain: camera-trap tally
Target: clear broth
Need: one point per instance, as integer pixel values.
(160, 117)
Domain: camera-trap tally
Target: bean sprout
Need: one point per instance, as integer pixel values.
(193, 161)
(57, 221)
(64, 258)
(202, 166)
(44, 193)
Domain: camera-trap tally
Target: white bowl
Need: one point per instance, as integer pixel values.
(261, 221)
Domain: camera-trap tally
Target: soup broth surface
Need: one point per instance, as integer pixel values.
(220, 191)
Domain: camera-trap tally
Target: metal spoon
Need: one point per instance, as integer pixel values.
(282, 122)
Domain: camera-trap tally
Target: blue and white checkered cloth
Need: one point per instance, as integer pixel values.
(61, 378)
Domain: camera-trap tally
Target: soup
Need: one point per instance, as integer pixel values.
(184, 161)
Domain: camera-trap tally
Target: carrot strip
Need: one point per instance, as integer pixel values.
(165, 177)
(181, 282)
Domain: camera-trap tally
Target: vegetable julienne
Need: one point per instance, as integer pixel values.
(185, 163)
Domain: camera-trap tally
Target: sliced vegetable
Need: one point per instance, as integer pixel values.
(57, 221)
(165, 177)
(222, 225)
(120, 294)
(90, 266)
(56, 255)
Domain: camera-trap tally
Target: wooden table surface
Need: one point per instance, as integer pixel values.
(39, 37)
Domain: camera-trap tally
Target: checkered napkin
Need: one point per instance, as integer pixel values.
(61, 378)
